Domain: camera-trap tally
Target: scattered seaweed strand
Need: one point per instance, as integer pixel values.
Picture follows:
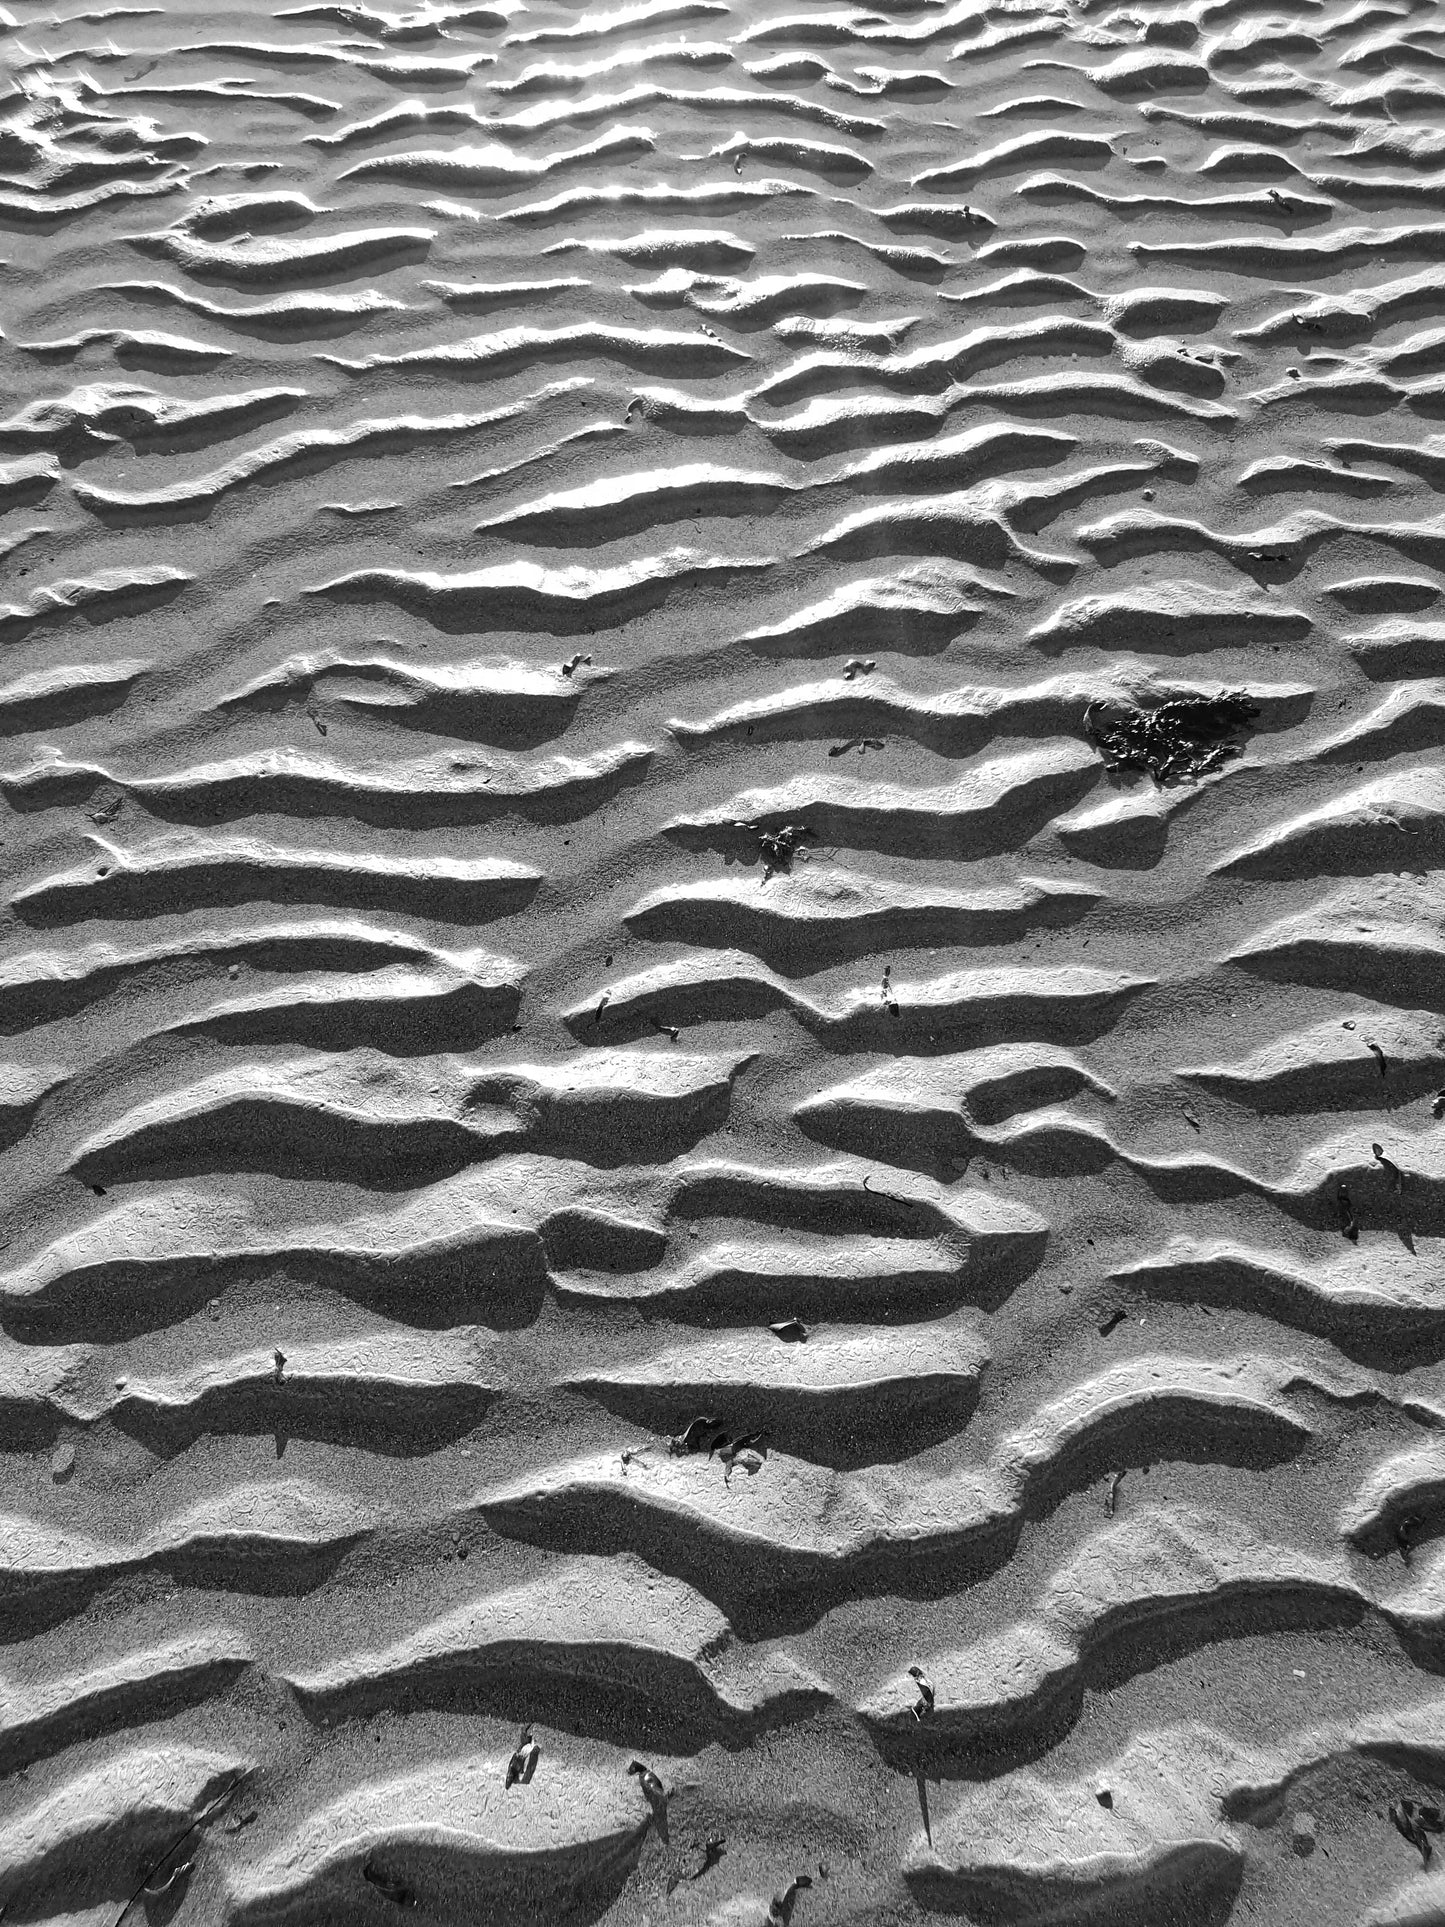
(1181, 740)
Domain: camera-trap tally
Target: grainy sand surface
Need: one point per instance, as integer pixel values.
(668, 1254)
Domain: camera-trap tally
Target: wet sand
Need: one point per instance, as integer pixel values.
(669, 1253)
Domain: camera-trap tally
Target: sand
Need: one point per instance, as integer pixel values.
(685, 1237)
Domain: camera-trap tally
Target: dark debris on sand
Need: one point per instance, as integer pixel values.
(523, 1763)
(779, 847)
(1416, 1823)
(713, 1850)
(1182, 740)
(923, 1705)
(784, 1902)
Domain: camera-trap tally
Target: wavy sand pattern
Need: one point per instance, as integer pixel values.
(670, 1249)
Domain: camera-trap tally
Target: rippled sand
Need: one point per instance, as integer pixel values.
(663, 1258)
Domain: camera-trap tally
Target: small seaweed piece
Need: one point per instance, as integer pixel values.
(858, 666)
(1186, 737)
(1397, 1177)
(779, 847)
(714, 1847)
(523, 1763)
(280, 1358)
(1416, 1823)
(395, 1891)
(654, 1792)
(748, 1451)
(711, 1436)
(571, 668)
(893, 1197)
(1111, 1503)
(1405, 1531)
(1437, 1107)
(222, 1799)
(792, 1331)
(890, 1000)
(705, 1432)
(153, 1891)
(923, 1705)
(784, 1903)
(1348, 1224)
(732, 1452)
(1380, 1058)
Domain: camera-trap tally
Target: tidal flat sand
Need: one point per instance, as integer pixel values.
(723, 963)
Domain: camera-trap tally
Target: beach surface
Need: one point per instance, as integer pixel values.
(723, 1088)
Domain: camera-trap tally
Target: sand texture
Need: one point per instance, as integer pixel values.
(722, 963)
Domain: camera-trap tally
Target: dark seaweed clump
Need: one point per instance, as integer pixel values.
(1185, 738)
